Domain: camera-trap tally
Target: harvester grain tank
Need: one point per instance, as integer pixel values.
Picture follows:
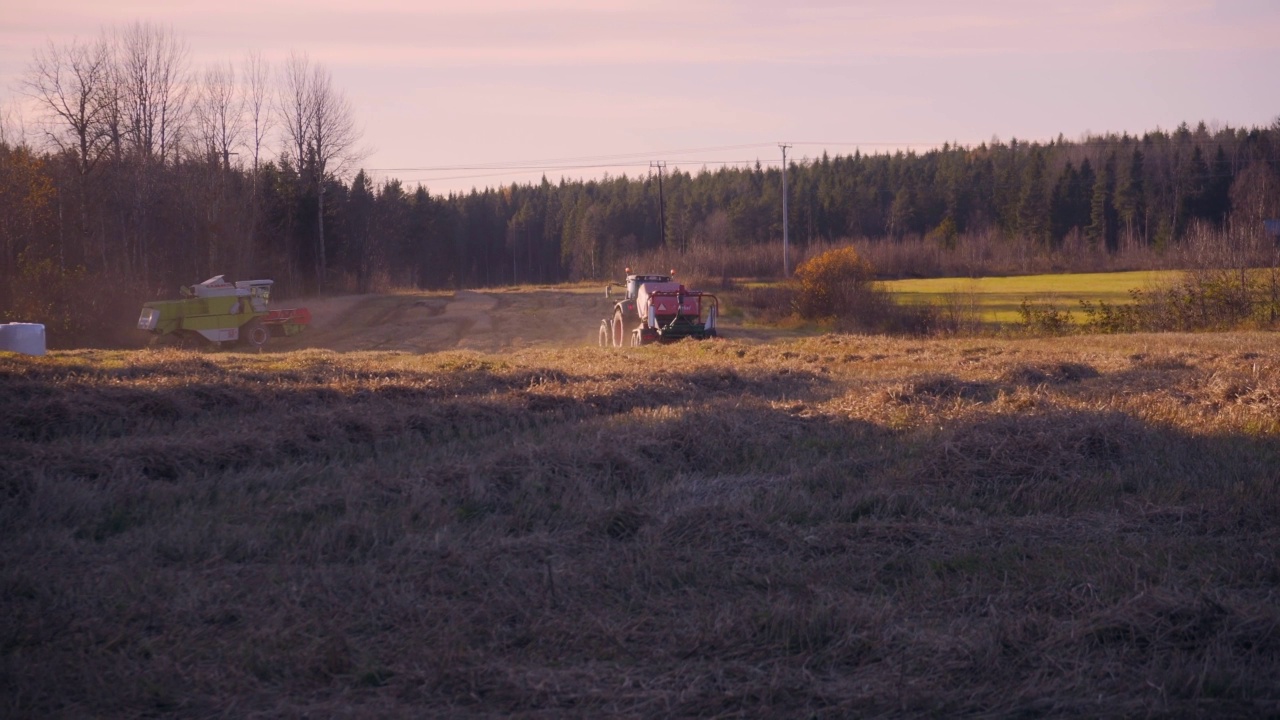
(659, 309)
(222, 312)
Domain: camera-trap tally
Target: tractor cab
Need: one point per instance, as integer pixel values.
(259, 292)
(634, 283)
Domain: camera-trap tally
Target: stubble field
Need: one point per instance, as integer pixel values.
(824, 527)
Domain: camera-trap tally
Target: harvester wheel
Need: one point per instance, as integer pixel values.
(254, 334)
(619, 329)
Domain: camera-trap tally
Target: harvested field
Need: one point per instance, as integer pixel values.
(827, 527)
(490, 321)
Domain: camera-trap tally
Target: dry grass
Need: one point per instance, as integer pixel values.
(832, 527)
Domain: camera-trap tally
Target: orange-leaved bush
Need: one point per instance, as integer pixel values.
(832, 284)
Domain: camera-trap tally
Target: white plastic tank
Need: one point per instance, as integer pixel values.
(25, 338)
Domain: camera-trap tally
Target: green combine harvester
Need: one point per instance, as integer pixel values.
(217, 312)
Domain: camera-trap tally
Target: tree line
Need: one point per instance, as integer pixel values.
(146, 174)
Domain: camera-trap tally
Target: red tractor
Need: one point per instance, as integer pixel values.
(658, 309)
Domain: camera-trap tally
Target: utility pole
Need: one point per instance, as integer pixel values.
(786, 260)
(662, 205)
(320, 260)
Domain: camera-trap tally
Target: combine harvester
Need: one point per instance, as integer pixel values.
(221, 312)
(658, 309)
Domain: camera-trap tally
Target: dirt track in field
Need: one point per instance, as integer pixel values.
(488, 320)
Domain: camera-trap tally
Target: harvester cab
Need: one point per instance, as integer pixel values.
(219, 311)
(657, 308)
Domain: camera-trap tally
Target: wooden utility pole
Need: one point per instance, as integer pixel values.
(662, 205)
(786, 260)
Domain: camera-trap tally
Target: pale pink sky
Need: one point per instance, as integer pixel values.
(444, 89)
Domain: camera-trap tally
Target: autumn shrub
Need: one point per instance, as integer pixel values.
(837, 286)
(1045, 319)
(832, 284)
(1210, 299)
(1203, 299)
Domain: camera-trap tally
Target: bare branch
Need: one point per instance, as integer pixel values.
(319, 122)
(153, 67)
(219, 112)
(257, 75)
(13, 125)
(295, 106)
(70, 85)
(334, 128)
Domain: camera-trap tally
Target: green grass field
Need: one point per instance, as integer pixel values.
(998, 299)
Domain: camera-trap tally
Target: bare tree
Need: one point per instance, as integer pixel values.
(219, 113)
(70, 85)
(152, 86)
(320, 129)
(334, 138)
(13, 126)
(257, 106)
(334, 131)
(295, 107)
(153, 76)
(113, 115)
(293, 110)
(257, 75)
(318, 121)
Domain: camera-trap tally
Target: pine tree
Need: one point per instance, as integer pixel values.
(1194, 180)
(1033, 208)
(1060, 210)
(1082, 196)
(902, 213)
(1129, 196)
(359, 222)
(1216, 203)
(1101, 230)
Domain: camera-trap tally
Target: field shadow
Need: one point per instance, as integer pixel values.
(536, 541)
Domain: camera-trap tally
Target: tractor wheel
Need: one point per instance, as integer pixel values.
(254, 334)
(604, 333)
(619, 329)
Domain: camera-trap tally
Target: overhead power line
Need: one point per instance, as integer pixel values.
(572, 162)
(528, 169)
(620, 161)
(642, 159)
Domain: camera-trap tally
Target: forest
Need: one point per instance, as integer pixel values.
(143, 175)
